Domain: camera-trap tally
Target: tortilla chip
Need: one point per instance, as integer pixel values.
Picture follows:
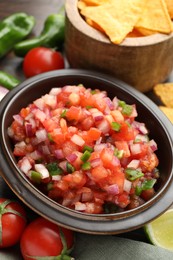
(116, 24)
(85, 3)
(94, 25)
(155, 17)
(165, 93)
(168, 112)
(169, 4)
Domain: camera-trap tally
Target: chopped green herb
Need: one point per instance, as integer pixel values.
(86, 155)
(49, 186)
(54, 169)
(70, 168)
(116, 126)
(133, 174)
(86, 166)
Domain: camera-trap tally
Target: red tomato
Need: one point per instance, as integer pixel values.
(13, 218)
(41, 59)
(44, 238)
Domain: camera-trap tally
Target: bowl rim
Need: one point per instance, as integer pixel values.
(76, 19)
(18, 182)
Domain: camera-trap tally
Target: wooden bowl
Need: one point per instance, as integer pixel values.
(141, 62)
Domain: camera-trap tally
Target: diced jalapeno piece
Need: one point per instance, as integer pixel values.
(35, 177)
(86, 155)
(133, 174)
(86, 166)
(88, 148)
(70, 168)
(126, 109)
(54, 169)
(116, 126)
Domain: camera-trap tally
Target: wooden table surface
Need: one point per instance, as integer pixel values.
(40, 9)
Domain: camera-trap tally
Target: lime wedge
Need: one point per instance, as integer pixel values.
(160, 230)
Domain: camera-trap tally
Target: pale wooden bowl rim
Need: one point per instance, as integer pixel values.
(76, 19)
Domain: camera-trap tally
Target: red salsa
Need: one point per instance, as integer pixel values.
(85, 151)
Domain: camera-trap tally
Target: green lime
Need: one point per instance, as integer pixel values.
(160, 230)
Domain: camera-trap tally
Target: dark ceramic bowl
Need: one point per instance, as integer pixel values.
(160, 130)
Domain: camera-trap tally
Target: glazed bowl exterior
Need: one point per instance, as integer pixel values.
(160, 130)
(141, 62)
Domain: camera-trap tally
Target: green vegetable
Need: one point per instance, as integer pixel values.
(146, 185)
(70, 168)
(35, 177)
(86, 155)
(51, 36)
(54, 169)
(7, 80)
(126, 109)
(116, 126)
(86, 166)
(88, 148)
(133, 174)
(14, 29)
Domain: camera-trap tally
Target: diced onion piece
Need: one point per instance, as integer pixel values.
(135, 148)
(79, 206)
(41, 135)
(55, 91)
(25, 165)
(28, 129)
(39, 103)
(59, 154)
(18, 119)
(113, 189)
(76, 139)
(104, 126)
(127, 185)
(71, 157)
(56, 177)
(153, 145)
(42, 169)
(133, 164)
(95, 162)
(50, 100)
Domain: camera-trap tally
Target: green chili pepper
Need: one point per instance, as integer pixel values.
(146, 185)
(70, 168)
(126, 109)
(35, 177)
(86, 166)
(7, 80)
(85, 156)
(14, 29)
(88, 148)
(116, 126)
(133, 174)
(51, 36)
(54, 169)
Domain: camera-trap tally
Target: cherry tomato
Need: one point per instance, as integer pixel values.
(13, 219)
(42, 238)
(41, 59)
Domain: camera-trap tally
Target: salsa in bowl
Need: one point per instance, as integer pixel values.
(86, 151)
